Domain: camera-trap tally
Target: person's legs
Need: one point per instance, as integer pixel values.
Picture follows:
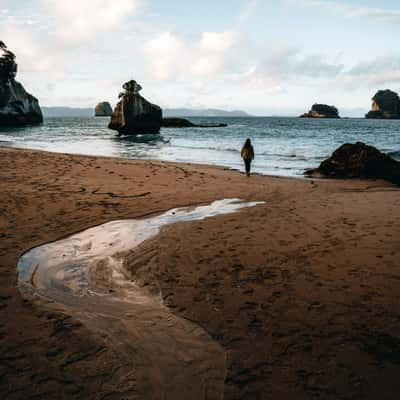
(247, 164)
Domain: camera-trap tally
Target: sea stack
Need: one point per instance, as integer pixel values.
(17, 107)
(385, 105)
(103, 109)
(133, 114)
(321, 111)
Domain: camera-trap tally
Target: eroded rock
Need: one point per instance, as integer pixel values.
(17, 107)
(103, 109)
(133, 114)
(185, 123)
(385, 105)
(358, 161)
(321, 111)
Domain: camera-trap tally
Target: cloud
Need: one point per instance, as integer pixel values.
(81, 20)
(375, 73)
(214, 53)
(165, 53)
(62, 42)
(247, 11)
(171, 56)
(351, 11)
(288, 64)
(32, 53)
(217, 41)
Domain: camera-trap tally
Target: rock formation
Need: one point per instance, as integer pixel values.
(103, 109)
(17, 107)
(185, 123)
(358, 161)
(174, 122)
(133, 114)
(321, 111)
(385, 105)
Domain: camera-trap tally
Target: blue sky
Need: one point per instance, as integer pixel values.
(266, 57)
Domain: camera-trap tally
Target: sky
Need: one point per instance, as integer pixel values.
(266, 57)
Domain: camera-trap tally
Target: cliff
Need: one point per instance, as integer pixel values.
(17, 107)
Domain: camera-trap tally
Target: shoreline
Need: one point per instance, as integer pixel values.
(154, 160)
(302, 293)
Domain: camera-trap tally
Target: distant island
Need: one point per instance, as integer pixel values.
(203, 112)
(49, 112)
(321, 111)
(103, 109)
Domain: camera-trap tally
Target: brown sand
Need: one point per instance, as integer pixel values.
(302, 293)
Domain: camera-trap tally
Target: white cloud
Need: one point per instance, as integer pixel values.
(375, 73)
(286, 64)
(32, 53)
(212, 54)
(351, 11)
(171, 56)
(217, 41)
(247, 11)
(83, 19)
(166, 53)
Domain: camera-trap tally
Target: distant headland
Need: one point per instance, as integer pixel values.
(60, 111)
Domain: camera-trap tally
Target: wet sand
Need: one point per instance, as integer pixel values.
(300, 295)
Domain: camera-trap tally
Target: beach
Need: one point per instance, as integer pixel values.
(296, 298)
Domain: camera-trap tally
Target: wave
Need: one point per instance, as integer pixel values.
(264, 153)
(394, 154)
(231, 150)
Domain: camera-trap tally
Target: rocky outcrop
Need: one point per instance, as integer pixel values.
(176, 123)
(103, 109)
(17, 107)
(358, 161)
(133, 114)
(385, 105)
(185, 123)
(321, 111)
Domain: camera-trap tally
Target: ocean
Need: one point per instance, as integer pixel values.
(284, 146)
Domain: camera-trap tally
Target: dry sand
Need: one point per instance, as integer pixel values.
(300, 295)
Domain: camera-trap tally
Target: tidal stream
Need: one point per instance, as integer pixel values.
(84, 273)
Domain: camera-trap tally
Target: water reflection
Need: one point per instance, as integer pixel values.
(149, 138)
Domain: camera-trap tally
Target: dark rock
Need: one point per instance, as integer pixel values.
(358, 161)
(176, 123)
(211, 125)
(103, 109)
(321, 111)
(184, 123)
(385, 105)
(133, 114)
(17, 107)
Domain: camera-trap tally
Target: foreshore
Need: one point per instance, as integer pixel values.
(301, 295)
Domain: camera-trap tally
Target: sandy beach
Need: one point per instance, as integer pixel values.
(296, 298)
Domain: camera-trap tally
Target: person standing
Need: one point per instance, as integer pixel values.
(247, 155)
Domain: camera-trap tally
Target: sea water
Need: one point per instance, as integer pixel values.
(284, 146)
